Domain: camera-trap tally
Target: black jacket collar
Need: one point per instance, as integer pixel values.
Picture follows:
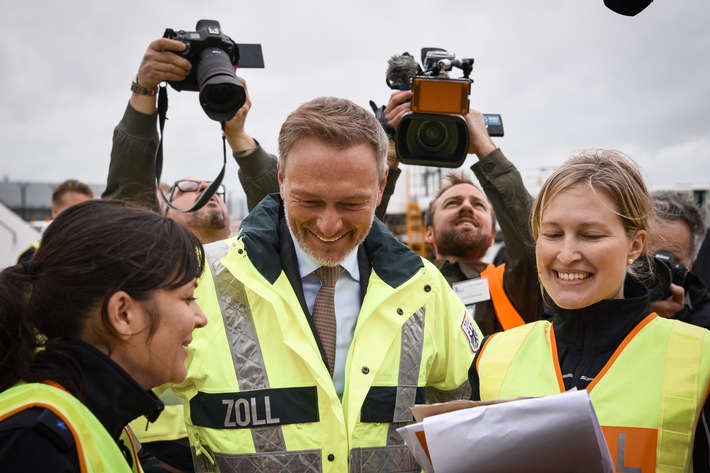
(606, 323)
(101, 384)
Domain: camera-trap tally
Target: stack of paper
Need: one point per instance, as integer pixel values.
(558, 433)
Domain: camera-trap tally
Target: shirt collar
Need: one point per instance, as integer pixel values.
(306, 265)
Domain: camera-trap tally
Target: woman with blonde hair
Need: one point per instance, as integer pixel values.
(647, 376)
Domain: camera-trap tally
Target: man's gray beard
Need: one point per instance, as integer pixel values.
(319, 261)
(208, 219)
(463, 245)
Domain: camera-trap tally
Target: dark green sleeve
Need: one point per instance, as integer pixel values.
(131, 174)
(512, 204)
(258, 174)
(392, 177)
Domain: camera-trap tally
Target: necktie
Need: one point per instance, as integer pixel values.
(324, 312)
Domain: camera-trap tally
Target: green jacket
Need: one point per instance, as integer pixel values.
(131, 173)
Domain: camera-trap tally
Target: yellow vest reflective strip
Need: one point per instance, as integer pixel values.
(505, 312)
(650, 427)
(250, 368)
(394, 455)
(250, 371)
(97, 451)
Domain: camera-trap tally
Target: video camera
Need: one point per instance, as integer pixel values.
(435, 133)
(214, 57)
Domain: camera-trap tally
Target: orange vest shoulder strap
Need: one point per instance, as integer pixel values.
(506, 313)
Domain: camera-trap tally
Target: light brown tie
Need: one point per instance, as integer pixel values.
(324, 312)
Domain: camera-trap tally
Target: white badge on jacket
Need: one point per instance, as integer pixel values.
(472, 291)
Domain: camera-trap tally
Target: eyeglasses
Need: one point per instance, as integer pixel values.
(189, 185)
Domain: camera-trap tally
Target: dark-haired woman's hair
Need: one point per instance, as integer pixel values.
(91, 251)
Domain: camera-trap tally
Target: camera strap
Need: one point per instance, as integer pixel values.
(214, 185)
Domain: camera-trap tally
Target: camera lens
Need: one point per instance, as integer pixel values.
(432, 136)
(221, 93)
(432, 140)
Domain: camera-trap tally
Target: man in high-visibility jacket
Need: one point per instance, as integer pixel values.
(259, 394)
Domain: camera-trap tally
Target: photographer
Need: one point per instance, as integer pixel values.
(679, 229)
(455, 216)
(135, 141)
(132, 177)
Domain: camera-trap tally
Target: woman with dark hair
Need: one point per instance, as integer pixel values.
(101, 315)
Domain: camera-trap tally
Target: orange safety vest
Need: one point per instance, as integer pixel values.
(506, 313)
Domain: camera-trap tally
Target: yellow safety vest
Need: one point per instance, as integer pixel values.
(648, 397)
(97, 451)
(260, 398)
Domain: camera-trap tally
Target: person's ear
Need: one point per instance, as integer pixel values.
(429, 235)
(638, 242)
(126, 315)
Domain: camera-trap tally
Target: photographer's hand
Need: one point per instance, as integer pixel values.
(669, 307)
(239, 140)
(398, 105)
(479, 142)
(159, 64)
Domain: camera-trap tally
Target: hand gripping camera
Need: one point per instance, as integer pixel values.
(214, 57)
(435, 133)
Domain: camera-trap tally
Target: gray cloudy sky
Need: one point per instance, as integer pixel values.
(564, 74)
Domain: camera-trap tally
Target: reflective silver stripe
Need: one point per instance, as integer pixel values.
(304, 461)
(410, 360)
(383, 460)
(243, 342)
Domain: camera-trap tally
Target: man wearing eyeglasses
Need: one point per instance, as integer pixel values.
(209, 223)
(135, 143)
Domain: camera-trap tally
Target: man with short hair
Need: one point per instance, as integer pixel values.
(282, 380)
(66, 194)
(679, 228)
(69, 193)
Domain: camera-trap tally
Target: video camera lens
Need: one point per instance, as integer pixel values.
(221, 93)
(432, 136)
(432, 140)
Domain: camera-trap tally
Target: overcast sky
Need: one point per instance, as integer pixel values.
(564, 74)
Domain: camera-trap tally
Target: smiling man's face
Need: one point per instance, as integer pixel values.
(330, 196)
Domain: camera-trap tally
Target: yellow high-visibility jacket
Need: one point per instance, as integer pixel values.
(259, 395)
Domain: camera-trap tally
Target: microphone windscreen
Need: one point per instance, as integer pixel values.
(401, 69)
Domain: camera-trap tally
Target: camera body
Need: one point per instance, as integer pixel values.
(435, 132)
(666, 270)
(214, 57)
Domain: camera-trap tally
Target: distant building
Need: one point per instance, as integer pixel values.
(32, 201)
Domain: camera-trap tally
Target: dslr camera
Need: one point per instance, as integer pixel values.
(435, 132)
(214, 57)
(665, 270)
